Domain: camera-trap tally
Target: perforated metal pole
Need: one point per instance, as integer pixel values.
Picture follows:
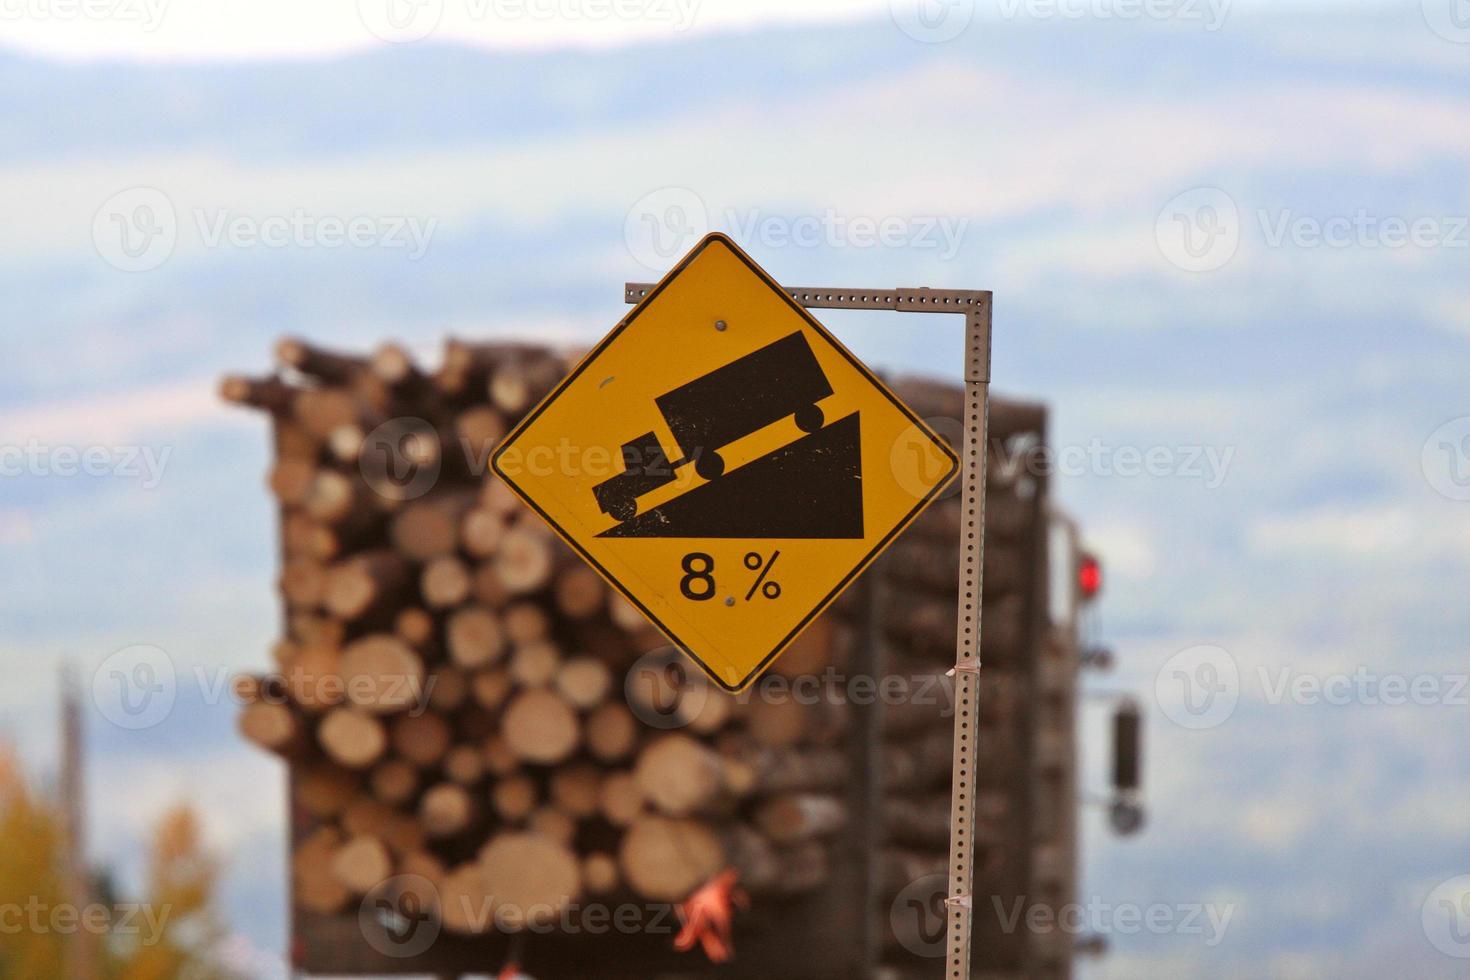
(975, 306)
(967, 643)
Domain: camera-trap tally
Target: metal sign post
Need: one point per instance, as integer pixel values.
(975, 307)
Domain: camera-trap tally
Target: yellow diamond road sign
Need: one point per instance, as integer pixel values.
(725, 462)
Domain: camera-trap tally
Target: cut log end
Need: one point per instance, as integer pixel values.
(530, 879)
(540, 727)
(665, 859)
(352, 739)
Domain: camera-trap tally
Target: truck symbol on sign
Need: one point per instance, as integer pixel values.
(779, 380)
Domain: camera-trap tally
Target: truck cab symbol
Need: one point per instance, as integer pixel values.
(779, 380)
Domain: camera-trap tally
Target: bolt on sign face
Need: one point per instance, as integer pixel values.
(725, 462)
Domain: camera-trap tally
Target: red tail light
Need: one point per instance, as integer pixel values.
(1089, 576)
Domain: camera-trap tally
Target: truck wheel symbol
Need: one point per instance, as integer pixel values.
(809, 419)
(710, 466)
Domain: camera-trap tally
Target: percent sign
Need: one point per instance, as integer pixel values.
(754, 562)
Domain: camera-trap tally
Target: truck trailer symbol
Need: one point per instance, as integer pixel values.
(779, 380)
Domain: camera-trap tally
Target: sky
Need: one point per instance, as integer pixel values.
(1234, 246)
(192, 30)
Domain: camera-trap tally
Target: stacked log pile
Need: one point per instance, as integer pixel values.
(917, 595)
(452, 688)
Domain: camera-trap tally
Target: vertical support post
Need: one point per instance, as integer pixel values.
(80, 950)
(960, 904)
(867, 767)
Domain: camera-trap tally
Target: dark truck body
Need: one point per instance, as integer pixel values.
(779, 380)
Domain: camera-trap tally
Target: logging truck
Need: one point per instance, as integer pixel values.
(469, 764)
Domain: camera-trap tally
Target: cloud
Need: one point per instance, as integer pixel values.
(1098, 155)
(117, 416)
(1335, 532)
(218, 29)
(1394, 531)
(1129, 546)
(238, 791)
